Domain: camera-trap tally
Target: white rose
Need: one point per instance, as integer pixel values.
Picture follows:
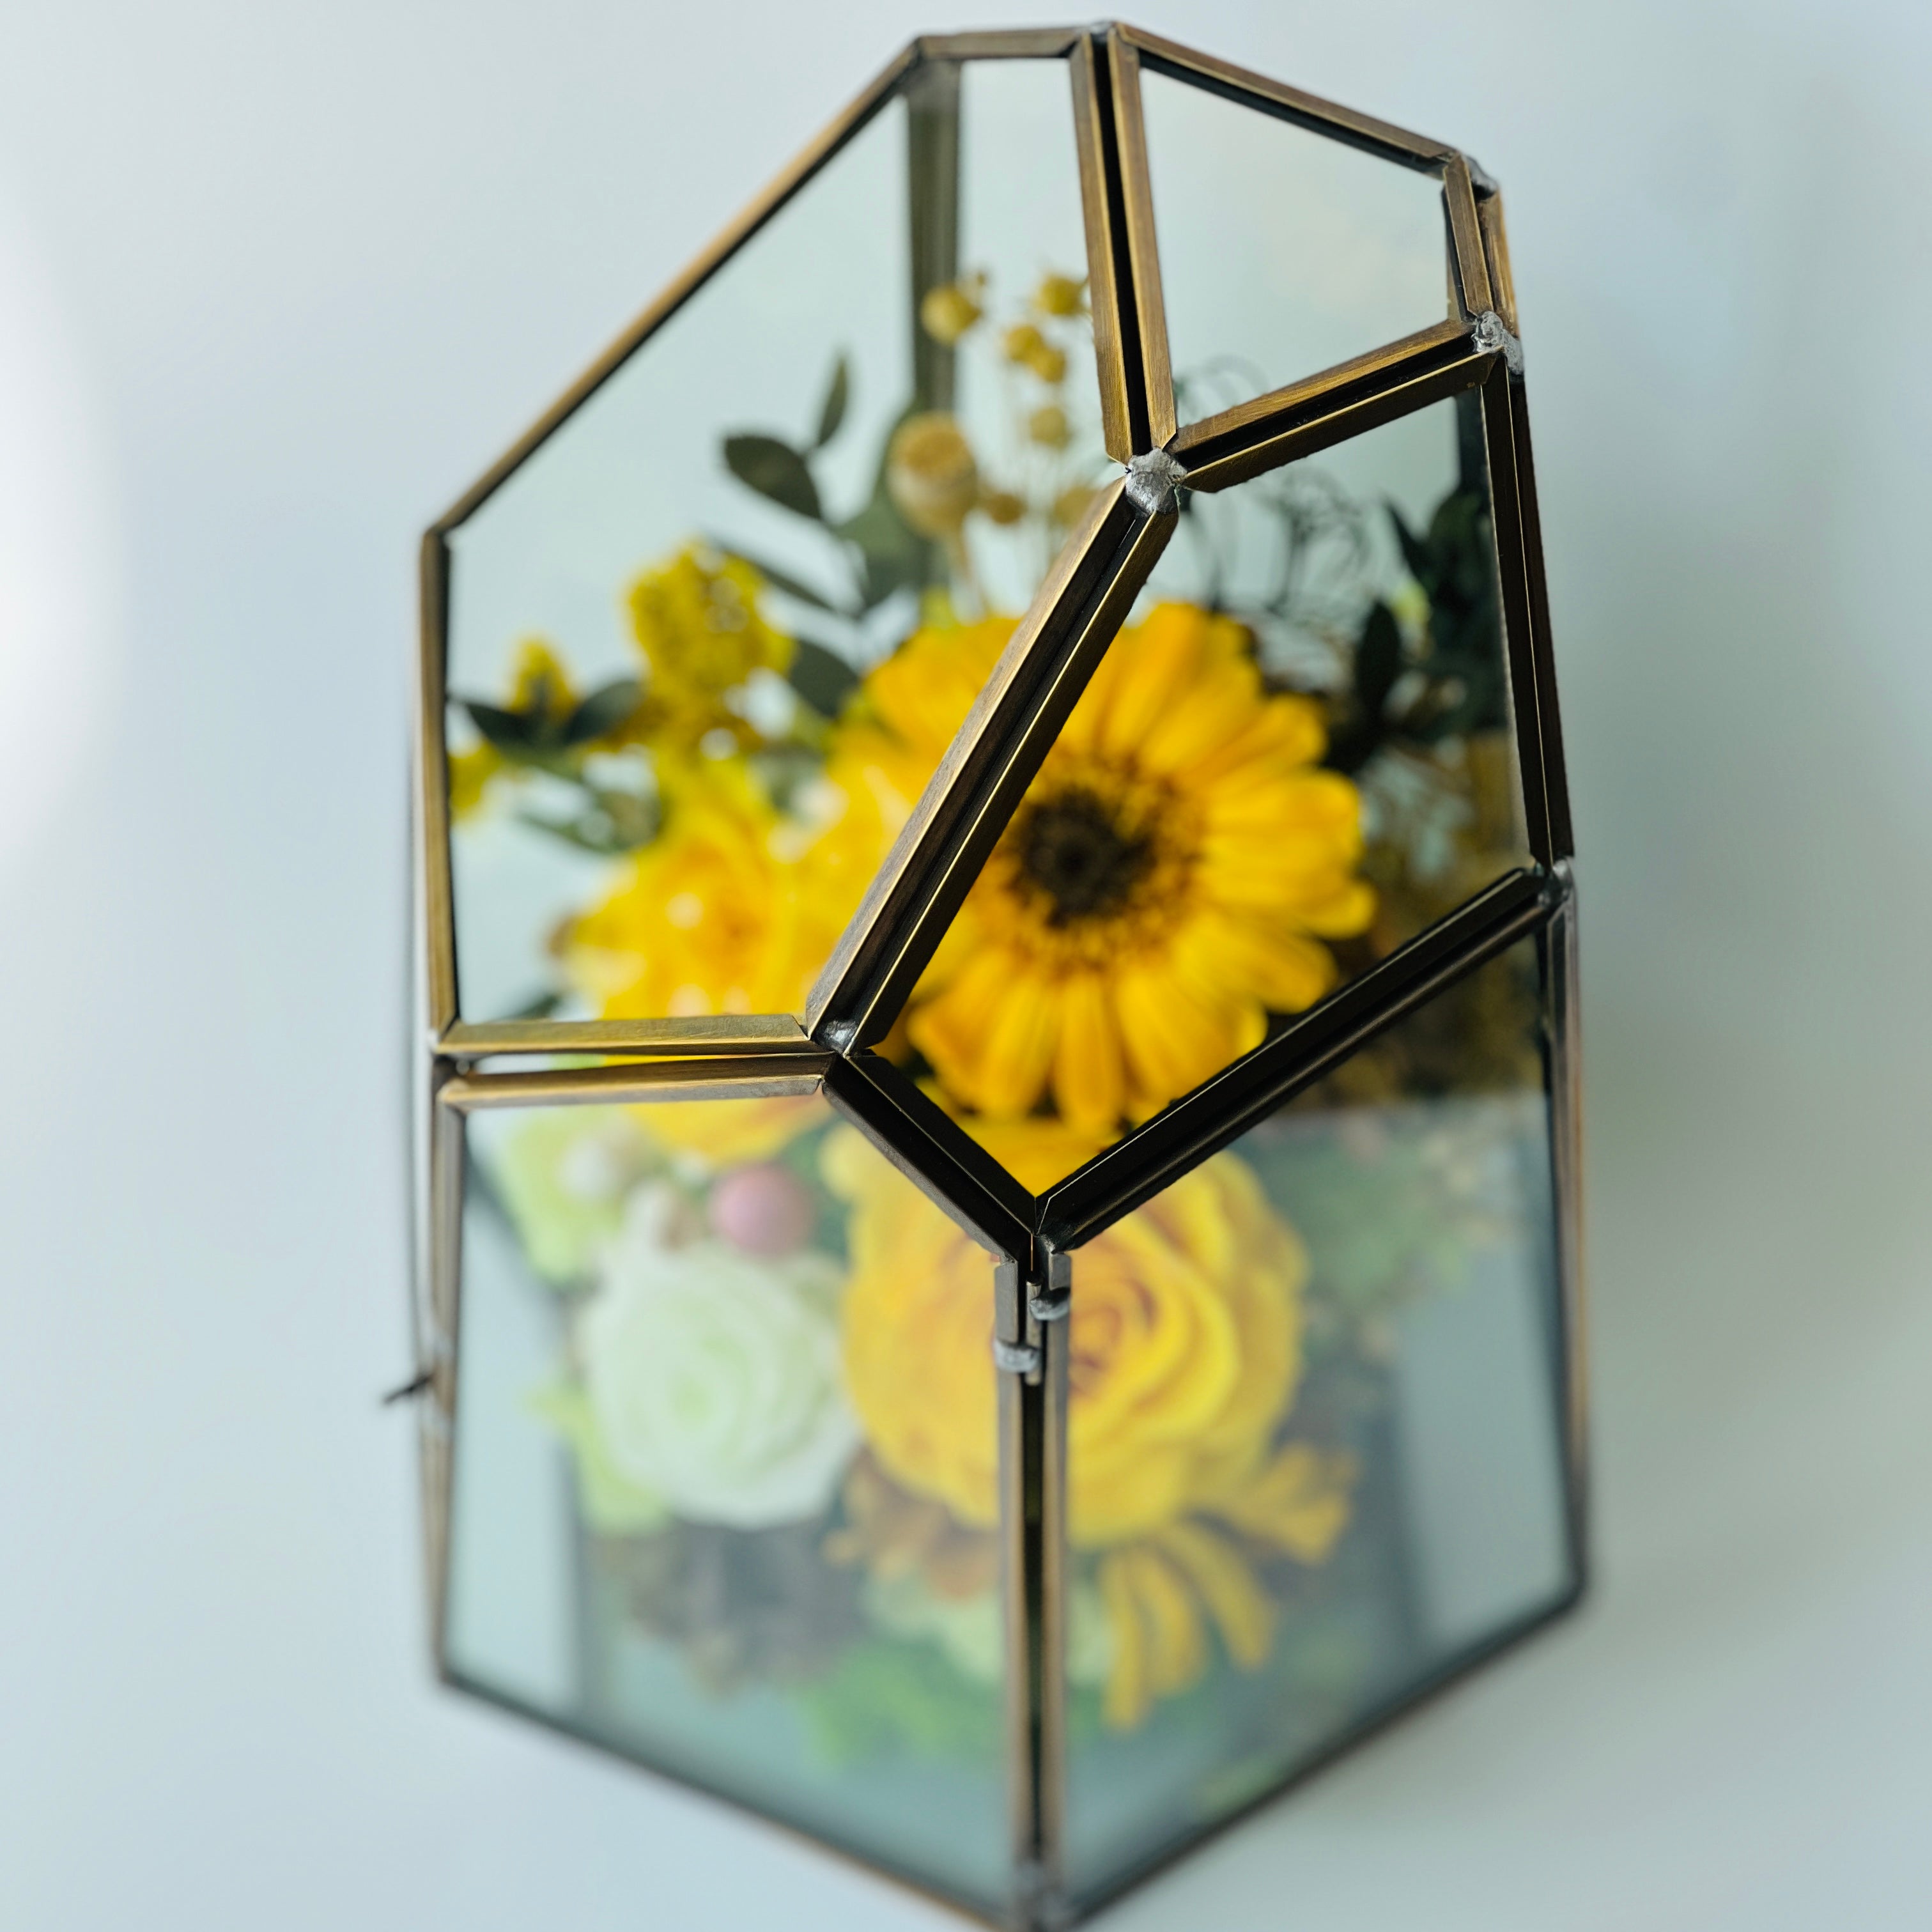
(714, 1375)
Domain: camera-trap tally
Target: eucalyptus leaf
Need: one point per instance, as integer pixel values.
(895, 556)
(513, 732)
(832, 411)
(782, 580)
(1415, 552)
(603, 711)
(1378, 659)
(775, 470)
(821, 677)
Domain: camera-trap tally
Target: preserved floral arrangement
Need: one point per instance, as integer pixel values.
(774, 1378)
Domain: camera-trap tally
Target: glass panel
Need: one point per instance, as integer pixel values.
(714, 1505)
(1313, 1440)
(1294, 757)
(1282, 252)
(673, 632)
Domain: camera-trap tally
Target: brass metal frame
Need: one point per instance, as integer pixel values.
(979, 783)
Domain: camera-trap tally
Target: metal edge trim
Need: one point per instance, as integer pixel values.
(1398, 145)
(1134, 1169)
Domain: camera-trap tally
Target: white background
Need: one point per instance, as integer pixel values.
(275, 282)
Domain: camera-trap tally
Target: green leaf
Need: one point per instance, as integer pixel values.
(832, 411)
(1378, 659)
(613, 824)
(1414, 551)
(896, 556)
(511, 732)
(603, 711)
(780, 579)
(887, 1699)
(821, 677)
(774, 469)
(540, 1008)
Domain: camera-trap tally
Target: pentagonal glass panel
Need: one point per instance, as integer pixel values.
(1294, 756)
(1315, 1439)
(880, 412)
(1282, 251)
(705, 1350)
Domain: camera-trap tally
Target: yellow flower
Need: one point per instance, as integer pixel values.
(947, 312)
(539, 687)
(1061, 296)
(709, 917)
(931, 474)
(1184, 1348)
(1048, 426)
(1002, 505)
(1022, 342)
(696, 619)
(909, 710)
(1165, 884)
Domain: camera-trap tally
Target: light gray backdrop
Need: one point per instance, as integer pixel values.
(274, 283)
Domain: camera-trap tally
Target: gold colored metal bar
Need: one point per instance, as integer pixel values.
(1016, 1594)
(1495, 251)
(1009, 43)
(1465, 235)
(1556, 782)
(1363, 130)
(1333, 414)
(899, 876)
(789, 180)
(932, 201)
(1104, 270)
(437, 910)
(1050, 672)
(1389, 366)
(1563, 1012)
(436, 1407)
(1143, 252)
(703, 1034)
(757, 1077)
(1050, 1775)
(1513, 571)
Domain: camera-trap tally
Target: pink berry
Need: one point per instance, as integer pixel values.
(763, 1209)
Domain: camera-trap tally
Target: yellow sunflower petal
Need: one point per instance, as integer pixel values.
(1156, 664)
(1090, 1076)
(1177, 1651)
(1173, 1043)
(1241, 1610)
(1299, 1502)
(1128, 1696)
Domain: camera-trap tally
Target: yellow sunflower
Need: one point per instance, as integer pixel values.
(1185, 1356)
(1167, 882)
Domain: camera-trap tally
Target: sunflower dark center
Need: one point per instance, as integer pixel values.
(1074, 850)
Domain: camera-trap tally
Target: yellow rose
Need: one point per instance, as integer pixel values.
(708, 918)
(1185, 1344)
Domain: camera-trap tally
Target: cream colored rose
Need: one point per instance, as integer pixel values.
(714, 1375)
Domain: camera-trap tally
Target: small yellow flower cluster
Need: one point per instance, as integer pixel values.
(933, 476)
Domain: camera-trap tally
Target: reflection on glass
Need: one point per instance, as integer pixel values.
(707, 644)
(725, 1459)
(1313, 1454)
(1282, 252)
(1294, 757)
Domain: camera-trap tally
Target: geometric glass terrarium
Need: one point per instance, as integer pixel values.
(998, 1259)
